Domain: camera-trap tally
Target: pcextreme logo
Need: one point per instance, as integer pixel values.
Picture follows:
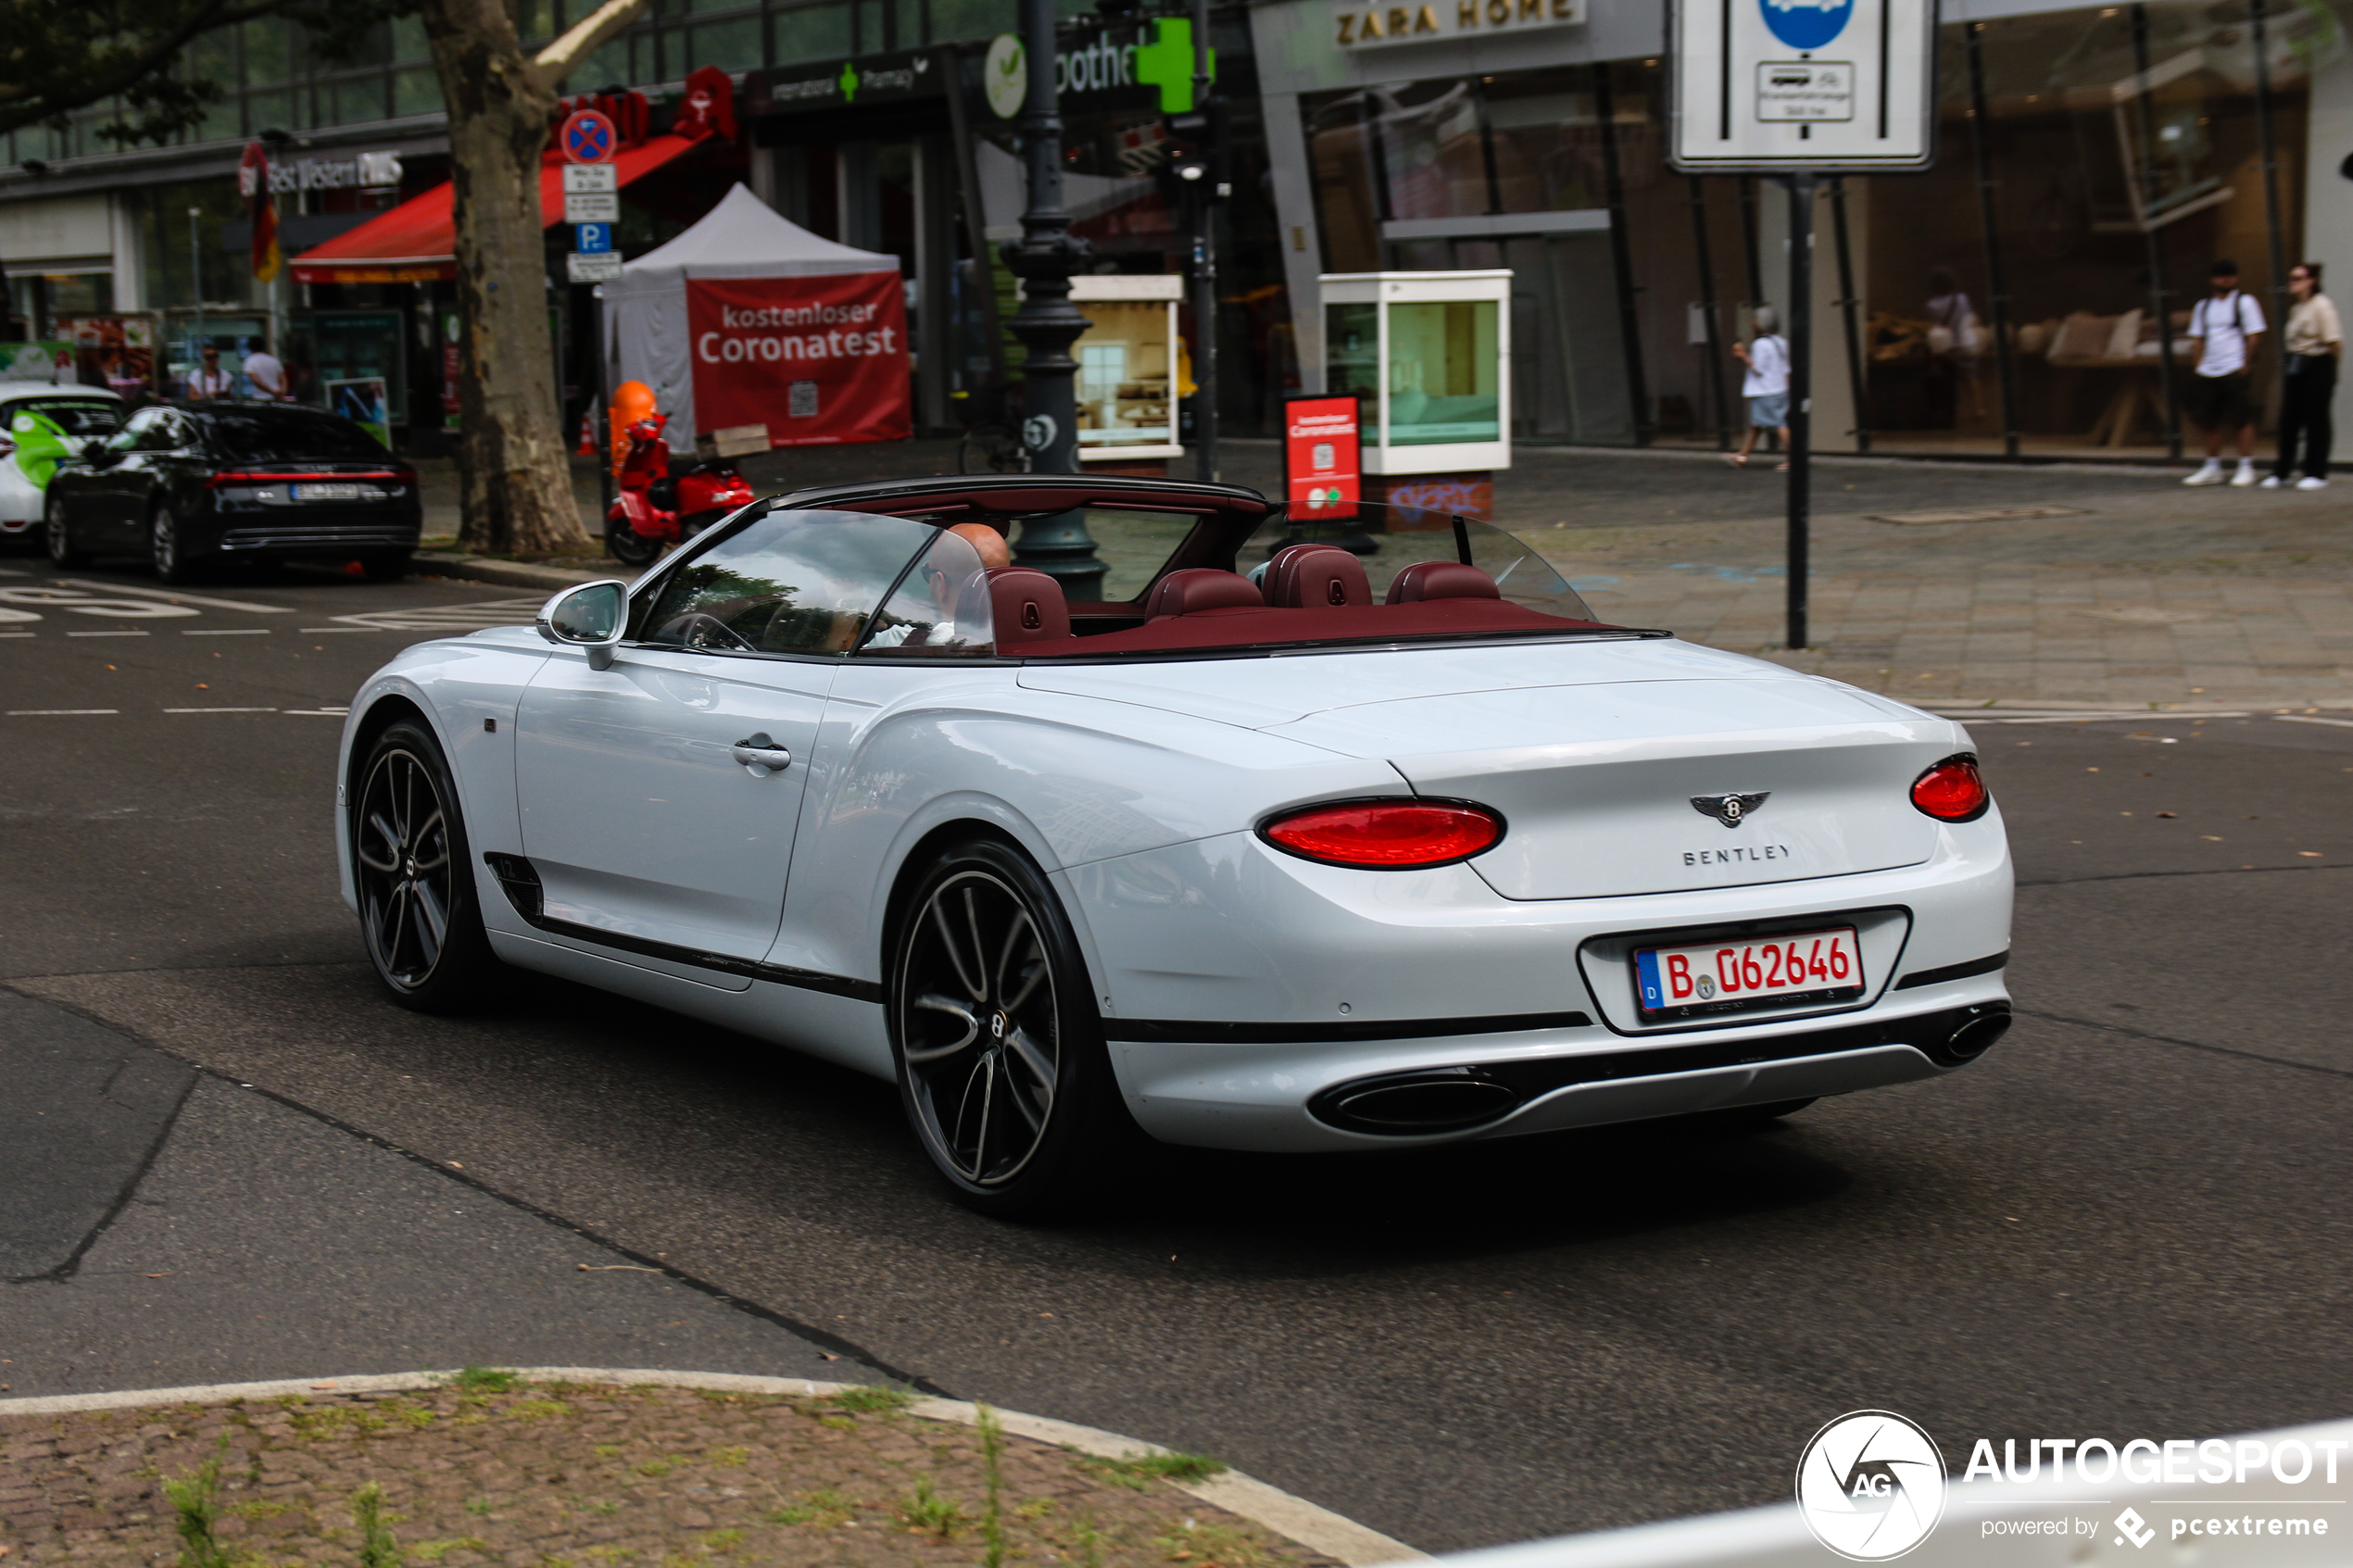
(1872, 1486)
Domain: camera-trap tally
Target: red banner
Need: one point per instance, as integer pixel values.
(1320, 457)
(818, 361)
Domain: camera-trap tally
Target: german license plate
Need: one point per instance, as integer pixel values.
(332, 492)
(1706, 979)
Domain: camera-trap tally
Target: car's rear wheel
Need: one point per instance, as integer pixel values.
(168, 546)
(1000, 1047)
(418, 911)
(57, 534)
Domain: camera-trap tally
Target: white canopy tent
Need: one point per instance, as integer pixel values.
(646, 333)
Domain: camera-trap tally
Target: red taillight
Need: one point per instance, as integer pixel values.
(1386, 834)
(221, 481)
(1953, 791)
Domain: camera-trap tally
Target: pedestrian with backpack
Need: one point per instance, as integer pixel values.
(2315, 342)
(1766, 384)
(2224, 330)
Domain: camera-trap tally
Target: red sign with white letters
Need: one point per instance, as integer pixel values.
(1320, 457)
(819, 360)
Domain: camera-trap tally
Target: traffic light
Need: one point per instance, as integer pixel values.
(1193, 147)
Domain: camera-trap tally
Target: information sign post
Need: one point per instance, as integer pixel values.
(1801, 89)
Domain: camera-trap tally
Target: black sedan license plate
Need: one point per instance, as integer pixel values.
(1707, 979)
(332, 492)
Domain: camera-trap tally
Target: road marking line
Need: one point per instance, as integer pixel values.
(2307, 718)
(238, 632)
(113, 588)
(109, 634)
(317, 712)
(55, 712)
(315, 631)
(221, 710)
(19, 633)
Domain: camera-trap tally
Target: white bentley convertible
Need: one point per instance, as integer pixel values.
(1268, 843)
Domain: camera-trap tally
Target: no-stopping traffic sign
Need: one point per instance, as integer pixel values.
(587, 137)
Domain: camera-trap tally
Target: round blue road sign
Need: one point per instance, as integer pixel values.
(588, 136)
(1807, 24)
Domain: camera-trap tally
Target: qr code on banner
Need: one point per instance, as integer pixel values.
(803, 404)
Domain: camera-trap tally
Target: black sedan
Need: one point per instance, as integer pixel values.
(191, 485)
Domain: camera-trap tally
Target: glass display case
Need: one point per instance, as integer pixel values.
(1430, 354)
(1127, 366)
(327, 348)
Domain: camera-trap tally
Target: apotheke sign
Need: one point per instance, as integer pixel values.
(1374, 27)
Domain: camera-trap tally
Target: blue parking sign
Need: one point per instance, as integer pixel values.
(592, 239)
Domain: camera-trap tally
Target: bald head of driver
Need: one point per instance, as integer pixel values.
(990, 544)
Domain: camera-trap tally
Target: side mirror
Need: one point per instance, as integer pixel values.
(97, 454)
(591, 617)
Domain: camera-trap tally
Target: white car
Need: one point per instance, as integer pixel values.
(1331, 861)
(84, 413)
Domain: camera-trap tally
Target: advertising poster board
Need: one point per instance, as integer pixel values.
(46, 360)
(817, 359)
(367, 402)
(120, 349)
(1320, 457)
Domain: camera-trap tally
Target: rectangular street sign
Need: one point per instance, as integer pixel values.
(601, 268)
(592, 239)
(587, 177)
(1789, 86)
(592, 207)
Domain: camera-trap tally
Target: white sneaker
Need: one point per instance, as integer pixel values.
(2310, 481)
(2271, 482)
(2211, 475)
(2244, 476)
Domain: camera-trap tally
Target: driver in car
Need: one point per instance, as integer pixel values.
(938, 630)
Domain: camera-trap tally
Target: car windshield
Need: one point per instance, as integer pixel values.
(292, 436)
(1389, 539)
(85, 419)
(788, 581)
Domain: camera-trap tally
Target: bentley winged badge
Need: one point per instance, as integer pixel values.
(1729, 810)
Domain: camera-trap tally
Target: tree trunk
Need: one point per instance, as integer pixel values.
(513, 464)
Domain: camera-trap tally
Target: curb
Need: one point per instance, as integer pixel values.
(513, 574)
(1318, 1529)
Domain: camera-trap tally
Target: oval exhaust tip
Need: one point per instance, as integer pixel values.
(1973, 1039)
(1444, 1101)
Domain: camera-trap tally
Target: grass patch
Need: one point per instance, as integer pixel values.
(195, 1506)
(1212, 1545)
(869, 1398)
(608, 1450)
(729, 1458)
(377, 1547)
(484, 1380)
(434, 1552)
(824, 1508)
(1136, 1471)
(256, 1510)
(925, 1509)
(655, 1469)
(723, 1540)
(537, 1409)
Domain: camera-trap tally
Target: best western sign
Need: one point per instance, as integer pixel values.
(1374, 27)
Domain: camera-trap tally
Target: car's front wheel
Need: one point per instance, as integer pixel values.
(1000, 1047)
(57, 534)
(167, 545)
(418, 912)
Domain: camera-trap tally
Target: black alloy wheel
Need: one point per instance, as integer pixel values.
(1001, 1065)
(59, 535)
(167, 545)
(418, 911)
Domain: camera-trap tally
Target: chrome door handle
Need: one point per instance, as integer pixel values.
(761, 755)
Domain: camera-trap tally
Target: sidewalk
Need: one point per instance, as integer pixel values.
(1953, 584)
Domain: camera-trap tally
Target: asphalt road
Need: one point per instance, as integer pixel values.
(2129, 1219)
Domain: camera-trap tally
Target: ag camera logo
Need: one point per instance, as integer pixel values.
(1870, 1486)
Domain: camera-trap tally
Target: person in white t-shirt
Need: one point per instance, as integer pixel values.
(209, 379)
(2225, 328)
(268, 375)
(1765, 386)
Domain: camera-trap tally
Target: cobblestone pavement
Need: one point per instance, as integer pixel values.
(1948, 583)
(566, 1476)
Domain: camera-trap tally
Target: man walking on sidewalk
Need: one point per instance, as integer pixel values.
(1766, 386)
(2307, 379)
(2225, 329)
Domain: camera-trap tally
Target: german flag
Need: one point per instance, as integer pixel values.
(262, 207)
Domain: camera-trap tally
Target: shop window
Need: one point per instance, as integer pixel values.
(1430, 151)
(952, 19)
(811, 33)
(1547, 135)
(416, 89)
(1347, 207)
(731, 46)
(267, 57)
(264, 110)
(408, 41)
(358, 98)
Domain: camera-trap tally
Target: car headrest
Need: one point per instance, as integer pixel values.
(1027, 606)
(1200, 587)
(1316, 577)
(1440, 580)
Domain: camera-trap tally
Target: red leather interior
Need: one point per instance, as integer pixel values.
(1440, 580)
(1200, 588)
(1027, 608)
(1242, 629)
(1316, 577)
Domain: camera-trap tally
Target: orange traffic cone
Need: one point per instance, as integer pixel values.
(588, 447)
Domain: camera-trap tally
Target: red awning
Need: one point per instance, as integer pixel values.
(416, 241)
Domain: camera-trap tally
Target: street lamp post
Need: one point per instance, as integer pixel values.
(1047, 323)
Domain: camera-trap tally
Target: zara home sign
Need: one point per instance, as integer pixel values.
(1373, 26)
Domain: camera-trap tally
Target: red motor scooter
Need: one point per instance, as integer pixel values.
(657, 507)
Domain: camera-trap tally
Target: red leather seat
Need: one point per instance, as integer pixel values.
(1440, 580)
(1026, 607)
(1199, 588)
(1316, 577)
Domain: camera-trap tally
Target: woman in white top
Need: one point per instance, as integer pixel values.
(1766, 386)
(2315, 342)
